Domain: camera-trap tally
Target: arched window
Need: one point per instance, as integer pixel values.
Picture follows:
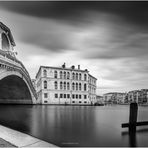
(45, 73)
(55, 74)
(68, 75)
(55, 85)
(64, 85)
(5, 42)
(80, 76)
(61, 74)
(73, 75)
(45, 84)
(85, 77)
(79, 86)
(76, 86)
(68, 87)
(61, 85)
(73, 86)
(64, 75)
(76, 76)
(85, 87)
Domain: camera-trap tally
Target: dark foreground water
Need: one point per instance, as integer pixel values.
(76, 125)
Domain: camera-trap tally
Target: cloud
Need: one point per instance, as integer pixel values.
(113, 49)
(101, 35)
(72, 11)
(48, 34)
(106, 39)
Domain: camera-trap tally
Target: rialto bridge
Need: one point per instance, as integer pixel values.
(15, 83)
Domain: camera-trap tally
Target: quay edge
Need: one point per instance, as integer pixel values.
(20, 139)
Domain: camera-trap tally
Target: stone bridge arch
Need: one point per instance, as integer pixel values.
(14, 78)
(14, 89)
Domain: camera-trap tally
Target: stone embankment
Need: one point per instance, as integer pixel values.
(13, 138)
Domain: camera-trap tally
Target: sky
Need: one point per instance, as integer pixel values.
(110, 39)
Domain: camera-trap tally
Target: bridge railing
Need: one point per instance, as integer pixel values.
(19, 66)
(8, 55)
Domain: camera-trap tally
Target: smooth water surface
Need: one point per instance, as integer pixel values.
(76, 125)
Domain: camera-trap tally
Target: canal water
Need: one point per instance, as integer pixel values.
(76, 125)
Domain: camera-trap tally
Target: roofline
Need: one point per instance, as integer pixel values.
(92, 76)
(38, 72)
(114, 93)
(63, 69)
(5, 28)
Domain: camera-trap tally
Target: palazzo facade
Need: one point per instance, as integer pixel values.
(62, 85)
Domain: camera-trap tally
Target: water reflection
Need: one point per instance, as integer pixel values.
(131, 138)
(74, 125)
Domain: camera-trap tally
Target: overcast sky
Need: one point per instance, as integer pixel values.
(110, 39)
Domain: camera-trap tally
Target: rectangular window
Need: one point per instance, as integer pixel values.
(85, 102)
(45, 95)
(73, 101)
(76, 96)
(45, 101)
(61, 95)
(79, 101)
(85, 96)
(73, 96)
(64, 95)
(68, 95)
(79, 96)
(56, 95)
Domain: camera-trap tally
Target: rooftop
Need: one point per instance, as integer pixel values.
(63, 67)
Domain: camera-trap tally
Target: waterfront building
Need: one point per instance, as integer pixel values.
(108, 97)
(144, 95)
(139, 96)
(100, 100)
(114, 98)
(63, 85)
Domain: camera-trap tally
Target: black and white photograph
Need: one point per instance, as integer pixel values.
(73, 73)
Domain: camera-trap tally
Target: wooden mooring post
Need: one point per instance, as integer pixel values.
(133, 118)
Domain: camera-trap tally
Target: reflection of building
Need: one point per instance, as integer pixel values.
(62, 85)
(114, 97)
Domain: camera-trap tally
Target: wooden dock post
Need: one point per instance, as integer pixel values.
(133, 116)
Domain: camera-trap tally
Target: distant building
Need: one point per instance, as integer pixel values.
(114, 97)
(62, 85)
(100, 100)
(108, 97)
(144, 95)
(139, 96)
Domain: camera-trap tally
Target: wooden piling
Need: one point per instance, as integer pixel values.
(133, 116)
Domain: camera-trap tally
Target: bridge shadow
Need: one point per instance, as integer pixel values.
(132, 136)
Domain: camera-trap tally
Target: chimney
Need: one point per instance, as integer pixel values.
(79, 67)
(64, 65)
(72, 67)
